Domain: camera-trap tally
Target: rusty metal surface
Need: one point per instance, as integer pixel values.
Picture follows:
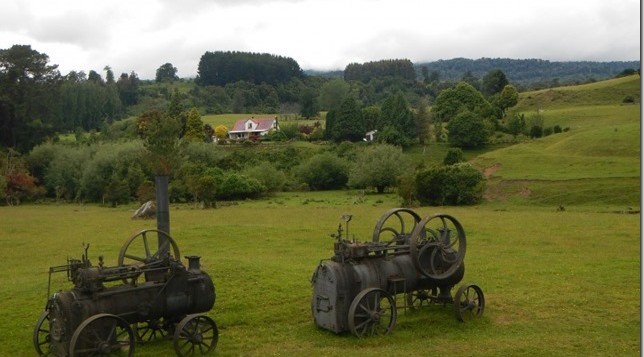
(150, 294)
(420, 258)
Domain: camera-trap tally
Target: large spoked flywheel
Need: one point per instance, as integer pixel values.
(437, 246)
(395, 225)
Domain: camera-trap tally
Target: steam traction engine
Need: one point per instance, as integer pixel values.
(421, 258)
(149, 295)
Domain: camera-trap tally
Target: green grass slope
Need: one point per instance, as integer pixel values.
(595, 163)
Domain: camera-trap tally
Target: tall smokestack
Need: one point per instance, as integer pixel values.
(163, 211)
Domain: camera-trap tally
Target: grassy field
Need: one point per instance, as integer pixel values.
(556, 283)
(596, 161)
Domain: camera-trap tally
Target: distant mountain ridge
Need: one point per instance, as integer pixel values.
(525, 72)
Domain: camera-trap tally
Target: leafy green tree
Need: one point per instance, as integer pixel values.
(221, 132)
(467, 130)
(93, 76)
(395, 112)
(407, 189)
(493, 82)
(333, 93)
(422, 120)
(160, 135)
(116, 191)
(453, 156)
(64, 171)
(348, 122)
(471, 79)
(378, 166)
(508, 98)
(194, 126)
(458, 184)
(391, 135)
(28, 92)
(128, 87)
(371, 117)
(166, 73)
(324, 172)
(516, 124)
(309, 103)
(109, 75)
(462, 97)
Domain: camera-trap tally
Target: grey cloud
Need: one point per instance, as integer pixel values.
(73, 28)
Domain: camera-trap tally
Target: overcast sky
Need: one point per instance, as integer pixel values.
(141, 35)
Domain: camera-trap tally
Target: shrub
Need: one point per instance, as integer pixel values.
(266, 174)
(324, 172)
(453, 156)
(557, 129)
(536, 131)
(458, 184)
(377, 166)
(237, 186)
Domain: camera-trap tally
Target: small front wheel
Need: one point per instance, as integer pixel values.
(195, 334)
(469, 303)
(372, 312)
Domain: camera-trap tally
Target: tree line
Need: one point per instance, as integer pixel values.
(107, 162)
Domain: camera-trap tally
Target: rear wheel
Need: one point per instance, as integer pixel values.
(102, 335)
(42, 338)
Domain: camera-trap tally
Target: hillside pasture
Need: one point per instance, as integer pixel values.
(556, 283)
(594, 163)
(608, 92)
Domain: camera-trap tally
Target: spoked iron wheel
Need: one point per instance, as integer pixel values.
(469, 303)
(42, 338)
(151, 330)
(195, 335)
(421, 298)
(102, 335)
(372, 312)
(143, 248)
(437, 246)
(395, 225)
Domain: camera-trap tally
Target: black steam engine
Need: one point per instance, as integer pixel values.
(149, 295)
(356, 290)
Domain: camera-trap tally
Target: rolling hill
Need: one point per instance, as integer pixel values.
(595, 163)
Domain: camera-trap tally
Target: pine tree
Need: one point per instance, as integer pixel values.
(194, 126)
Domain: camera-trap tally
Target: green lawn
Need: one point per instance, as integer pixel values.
(556, 283)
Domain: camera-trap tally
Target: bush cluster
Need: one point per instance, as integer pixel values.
(117, 173)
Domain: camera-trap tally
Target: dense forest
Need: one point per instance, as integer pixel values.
(526, 74)
(119, 121)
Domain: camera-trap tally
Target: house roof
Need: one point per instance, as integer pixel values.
(261, 124)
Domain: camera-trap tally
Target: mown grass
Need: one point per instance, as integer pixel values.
(556, 283)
